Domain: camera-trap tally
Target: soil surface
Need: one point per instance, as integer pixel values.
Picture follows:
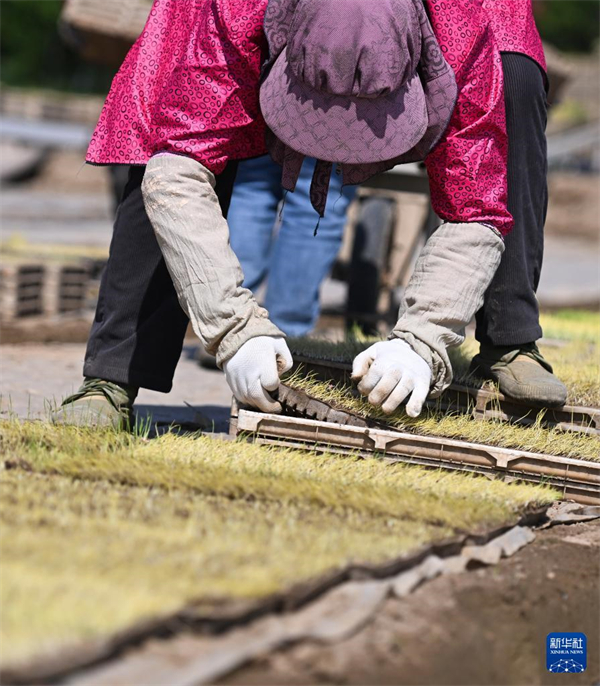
(35, 377)
(482, 627)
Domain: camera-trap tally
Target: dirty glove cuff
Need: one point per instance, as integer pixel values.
(445, 291)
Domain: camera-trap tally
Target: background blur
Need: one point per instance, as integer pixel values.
(57, 62)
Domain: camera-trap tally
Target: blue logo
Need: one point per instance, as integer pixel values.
(566, 652)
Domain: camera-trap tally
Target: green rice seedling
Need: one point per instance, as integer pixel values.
(534, 438)
(239, 469)
(81, 558)
(103, 529)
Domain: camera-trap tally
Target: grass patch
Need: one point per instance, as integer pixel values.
(101, 530)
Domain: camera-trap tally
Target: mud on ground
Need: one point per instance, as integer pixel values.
(485, 627)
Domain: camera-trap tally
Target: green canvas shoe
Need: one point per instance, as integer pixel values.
(98, 403)
(521, 372)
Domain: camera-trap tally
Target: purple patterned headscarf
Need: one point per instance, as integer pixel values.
(359, 83)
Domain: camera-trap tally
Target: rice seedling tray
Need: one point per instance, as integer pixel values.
(312, 424)
(478, 402)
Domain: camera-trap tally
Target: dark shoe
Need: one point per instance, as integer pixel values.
(98, 403)
(521, 373)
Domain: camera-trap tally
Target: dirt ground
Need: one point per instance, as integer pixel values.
(35, 376)
(485, 627)
(574, 207)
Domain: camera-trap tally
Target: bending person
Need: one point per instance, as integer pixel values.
(508, 323)
(371, 94)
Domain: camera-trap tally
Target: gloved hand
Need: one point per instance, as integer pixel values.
(254, 371)
(390, 371)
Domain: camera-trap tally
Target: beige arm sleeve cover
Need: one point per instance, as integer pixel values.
(180, 199)
(451, 276)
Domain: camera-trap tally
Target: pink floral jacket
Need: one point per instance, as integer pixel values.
(190, 85)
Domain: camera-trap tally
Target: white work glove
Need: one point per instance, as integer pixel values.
(390, 371)
(254, 371)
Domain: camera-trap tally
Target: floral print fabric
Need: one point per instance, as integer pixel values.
(467, 170)
(190, 84)
(514, 28)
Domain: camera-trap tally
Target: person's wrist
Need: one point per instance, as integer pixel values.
(256, 325)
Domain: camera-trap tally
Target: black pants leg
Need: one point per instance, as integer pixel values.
(137, 335)
(510, 314)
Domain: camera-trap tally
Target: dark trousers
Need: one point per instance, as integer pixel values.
(510, 314)
(137, 334)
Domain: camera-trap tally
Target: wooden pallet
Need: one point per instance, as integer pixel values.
(102, 31)
(122, 19)
(39, 290)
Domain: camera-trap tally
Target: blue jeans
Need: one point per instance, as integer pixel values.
(293, 260)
